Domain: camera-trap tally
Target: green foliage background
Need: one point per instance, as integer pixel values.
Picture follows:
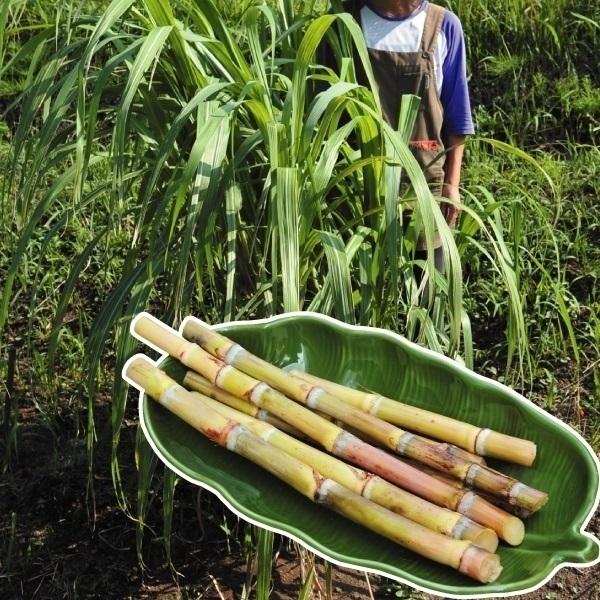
(159, 155)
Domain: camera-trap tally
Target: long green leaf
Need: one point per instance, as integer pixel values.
(264, 542)
(341, 286)
(287, 223)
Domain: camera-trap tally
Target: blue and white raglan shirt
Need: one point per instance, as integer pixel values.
(403, 34)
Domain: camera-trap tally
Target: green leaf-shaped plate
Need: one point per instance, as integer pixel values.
(566, 466)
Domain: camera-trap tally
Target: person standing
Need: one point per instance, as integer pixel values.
(417, 47)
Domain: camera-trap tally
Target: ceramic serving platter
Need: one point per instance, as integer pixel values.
(381, 361)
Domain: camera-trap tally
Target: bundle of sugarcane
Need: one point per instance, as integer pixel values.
(433, 481)
(484, 442)
(329, 435)
(366, 484)
(443, 457)
(461, 554)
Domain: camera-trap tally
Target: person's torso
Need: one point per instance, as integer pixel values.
(406, 56)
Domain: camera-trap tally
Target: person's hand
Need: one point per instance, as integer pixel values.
(451, 209)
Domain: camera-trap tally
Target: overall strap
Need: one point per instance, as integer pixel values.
(353, 7)
(433, 24)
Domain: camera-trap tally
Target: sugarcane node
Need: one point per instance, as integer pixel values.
(220, 436)
(214, 359)
(486, 538)
(319, 479)
(479, 564)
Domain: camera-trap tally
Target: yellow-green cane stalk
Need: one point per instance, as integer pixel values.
(482, 441)
(370, 486)
(327, 434)
(196, 382)
(440, 456)
(473, 439)
(462, 555)
(452, 450)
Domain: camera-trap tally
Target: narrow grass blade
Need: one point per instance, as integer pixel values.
(233, 203)
(306, 591)
(170, 480)
(287, 227)
(339, 270)
(264, 543)
(148, 53)
(145, 460)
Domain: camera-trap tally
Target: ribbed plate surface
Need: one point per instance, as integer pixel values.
(565, 467)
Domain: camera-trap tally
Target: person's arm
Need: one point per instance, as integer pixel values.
(458, 123)
(452, 168)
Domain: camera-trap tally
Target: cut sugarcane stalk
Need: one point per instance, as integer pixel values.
(327, 434)
(477, 476)
(200, 384)
(485, 442)
(377, 489)
(456, 483)
(439, 456)
(462, 555)
(370, 486)
(194, 381)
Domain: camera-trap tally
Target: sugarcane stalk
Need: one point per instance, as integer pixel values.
(462, 555)
(485, 442)
(375, 488)
(194, 381)
(474, 475)
(478, 440)
(327, 434)
(439, 456)
(366, 484)
(457, 484)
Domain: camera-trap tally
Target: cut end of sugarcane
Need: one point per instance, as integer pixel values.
(508, 527)
(513, 531)
(506, 447)
(138, 369)
(199, 333)
(528, 498)
(484, 537)
(480, 564)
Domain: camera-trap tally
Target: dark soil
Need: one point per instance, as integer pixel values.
(58, 539)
